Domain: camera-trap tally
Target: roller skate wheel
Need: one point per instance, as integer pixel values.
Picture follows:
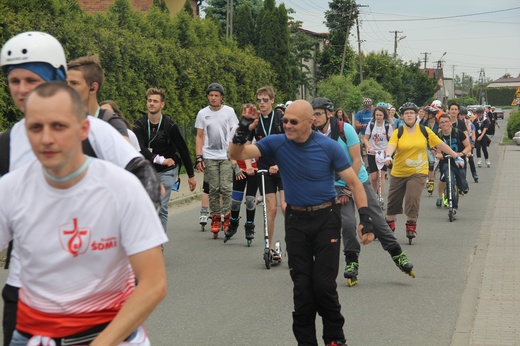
(249, 241)
(215, 235)
(351, 282)
(411, 273)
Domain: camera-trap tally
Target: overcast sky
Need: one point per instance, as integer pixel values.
(483, 35)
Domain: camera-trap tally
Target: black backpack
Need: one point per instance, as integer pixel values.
(423, 130)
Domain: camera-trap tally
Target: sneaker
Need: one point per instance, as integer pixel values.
(439, 202)
(479, 162)
(488, 163)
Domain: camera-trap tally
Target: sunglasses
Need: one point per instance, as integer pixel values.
(292, 121)
(263, 99)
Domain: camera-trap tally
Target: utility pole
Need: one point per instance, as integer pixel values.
(359, 50)
(229, 18)
(439, 67)
(352, 11)
(347, 32)
(396, 40)
(425, 59)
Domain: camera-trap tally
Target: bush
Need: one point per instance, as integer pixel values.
(513, 124)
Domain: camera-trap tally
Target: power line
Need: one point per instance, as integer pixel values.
(447, 17)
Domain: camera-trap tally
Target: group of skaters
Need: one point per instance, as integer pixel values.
(91, 191)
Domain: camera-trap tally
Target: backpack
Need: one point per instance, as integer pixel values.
(339, 134)
(423, 130)
(373, 124)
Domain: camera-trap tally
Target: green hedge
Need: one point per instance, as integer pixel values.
(513, 124)
(183, 55)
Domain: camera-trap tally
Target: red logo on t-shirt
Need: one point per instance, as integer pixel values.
(75, 240)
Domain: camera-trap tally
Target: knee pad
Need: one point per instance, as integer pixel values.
(250, 202)
(235, 205)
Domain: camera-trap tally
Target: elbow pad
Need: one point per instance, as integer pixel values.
(148, 176)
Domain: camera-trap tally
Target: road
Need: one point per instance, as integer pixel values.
(221, 294)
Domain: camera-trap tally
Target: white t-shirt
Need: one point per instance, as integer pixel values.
(378, 137)
(216, 126)
(108, 144)
(73, 244)
(133, 140)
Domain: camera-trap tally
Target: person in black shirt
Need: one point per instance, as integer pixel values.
(482, 141)
(269, 123)
(161, 143)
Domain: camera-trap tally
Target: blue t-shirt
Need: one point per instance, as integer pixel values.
(352, 139)
(364, 118)
(307, 169)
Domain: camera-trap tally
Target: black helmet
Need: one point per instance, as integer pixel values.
(479, 110)
(463, 111)
(215, 87)
(322, 103)
(407, 106)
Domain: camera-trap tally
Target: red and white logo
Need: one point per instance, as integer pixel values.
(73, 239)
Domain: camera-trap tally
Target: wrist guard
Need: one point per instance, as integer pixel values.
(242, 131)
(365, 220)
(236, 169)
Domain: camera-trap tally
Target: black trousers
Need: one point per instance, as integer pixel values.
(313, 245)
(10, 297)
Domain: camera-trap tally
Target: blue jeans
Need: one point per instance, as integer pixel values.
(168, 178)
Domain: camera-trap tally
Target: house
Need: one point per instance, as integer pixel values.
(446, 85)
(174, 6)
(319, 39)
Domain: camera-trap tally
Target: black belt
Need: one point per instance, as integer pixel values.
(315, 207)
(83, 338)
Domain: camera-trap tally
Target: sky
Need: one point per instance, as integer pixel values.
(481, 35)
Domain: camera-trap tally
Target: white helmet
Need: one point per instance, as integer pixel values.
(33, 46)
(288, 103)
(437, 103)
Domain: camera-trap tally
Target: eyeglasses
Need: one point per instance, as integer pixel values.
(292, 121)
(263, 99)
(444, 122)
(317, 114)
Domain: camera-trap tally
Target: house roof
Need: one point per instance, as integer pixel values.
(505, 83)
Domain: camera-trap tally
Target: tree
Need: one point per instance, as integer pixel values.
(339, 21)
(341, 91)
(218, 10)
(274, 45)
(244, 26)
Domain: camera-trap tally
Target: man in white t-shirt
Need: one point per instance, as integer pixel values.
(93, 228)
(213, 125)
(28, 60)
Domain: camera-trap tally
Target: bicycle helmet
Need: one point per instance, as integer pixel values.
(437, 103)
(463, 111)
(322, 103)
(382, 104)
(367, 102)
(287, 104)
(280, 106)
(479, 110)
(408, 106)
(33, 47)
(215, 87)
